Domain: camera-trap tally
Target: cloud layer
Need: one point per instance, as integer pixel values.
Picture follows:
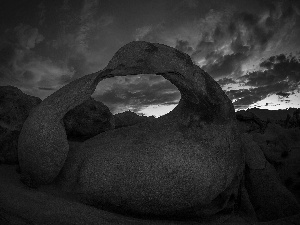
(138, 92)
(20, 65)
(279, 75)
(244, 45)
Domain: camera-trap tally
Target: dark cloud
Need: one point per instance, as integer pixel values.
(283, 94)
(16, 48)
(247, 35)
(225, 65)
(24, 36)
(65, 41)
(22, 66)
(276, 69)
(139, 94)
(258, 35)
(183, 46)
(280, 76)
(78, 63)
(240, 36)
(46, 88)
(42, 12)
(225, 81)
(238, 46)
(28, 75)
(16, 44)
(7, 53)
(245, 97)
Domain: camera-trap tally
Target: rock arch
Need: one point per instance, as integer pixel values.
(204, 117)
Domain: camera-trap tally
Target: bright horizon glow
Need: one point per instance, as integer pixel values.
(157, 110)
(272, 102)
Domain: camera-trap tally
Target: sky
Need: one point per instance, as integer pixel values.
(251, 48)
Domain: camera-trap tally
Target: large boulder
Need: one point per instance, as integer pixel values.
(87, 120)
(14, 109)
(268, 196)
(270, 199)
(281, 147)
(187, 164)
(129, 118)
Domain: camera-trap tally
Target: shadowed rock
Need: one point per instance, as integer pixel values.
(186, 164)
(281, 148)
(14, 109)
(129, 118)
(295, 119)
(249, 122)
(87, 120)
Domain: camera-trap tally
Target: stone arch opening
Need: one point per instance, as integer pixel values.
(143, 94)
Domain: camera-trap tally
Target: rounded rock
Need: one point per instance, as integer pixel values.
(187, 164)
(87, 120)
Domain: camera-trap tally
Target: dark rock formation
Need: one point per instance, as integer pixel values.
(294, 121)
(14, 109)
(271, 200)
(249, 122)
(186, 164)
(268, 196)
(87, 120)
(8, 145)
(284, 117)
(279, 139)
(272, 115)
(281, 148)
(129, 118)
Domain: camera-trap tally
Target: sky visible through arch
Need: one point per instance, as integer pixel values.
(251, 48)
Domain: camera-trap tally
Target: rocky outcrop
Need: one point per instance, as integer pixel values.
(249, 122)
(284, 117)
(281, 148)
(268, 196)
(8, 145)
(186, 164)
(87, 120)
(293, 121)
(279, 141)
(129, 118)
(14, 109)
(271, 200)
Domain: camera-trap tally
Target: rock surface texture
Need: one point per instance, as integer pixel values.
(249, 122)
(14, 109)
(270, 199)
(279, 140)
(185, 164)
(191, 164)
(295, 119)
(87, 120)
(129, 118)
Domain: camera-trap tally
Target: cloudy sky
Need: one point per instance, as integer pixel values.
(251, 48)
